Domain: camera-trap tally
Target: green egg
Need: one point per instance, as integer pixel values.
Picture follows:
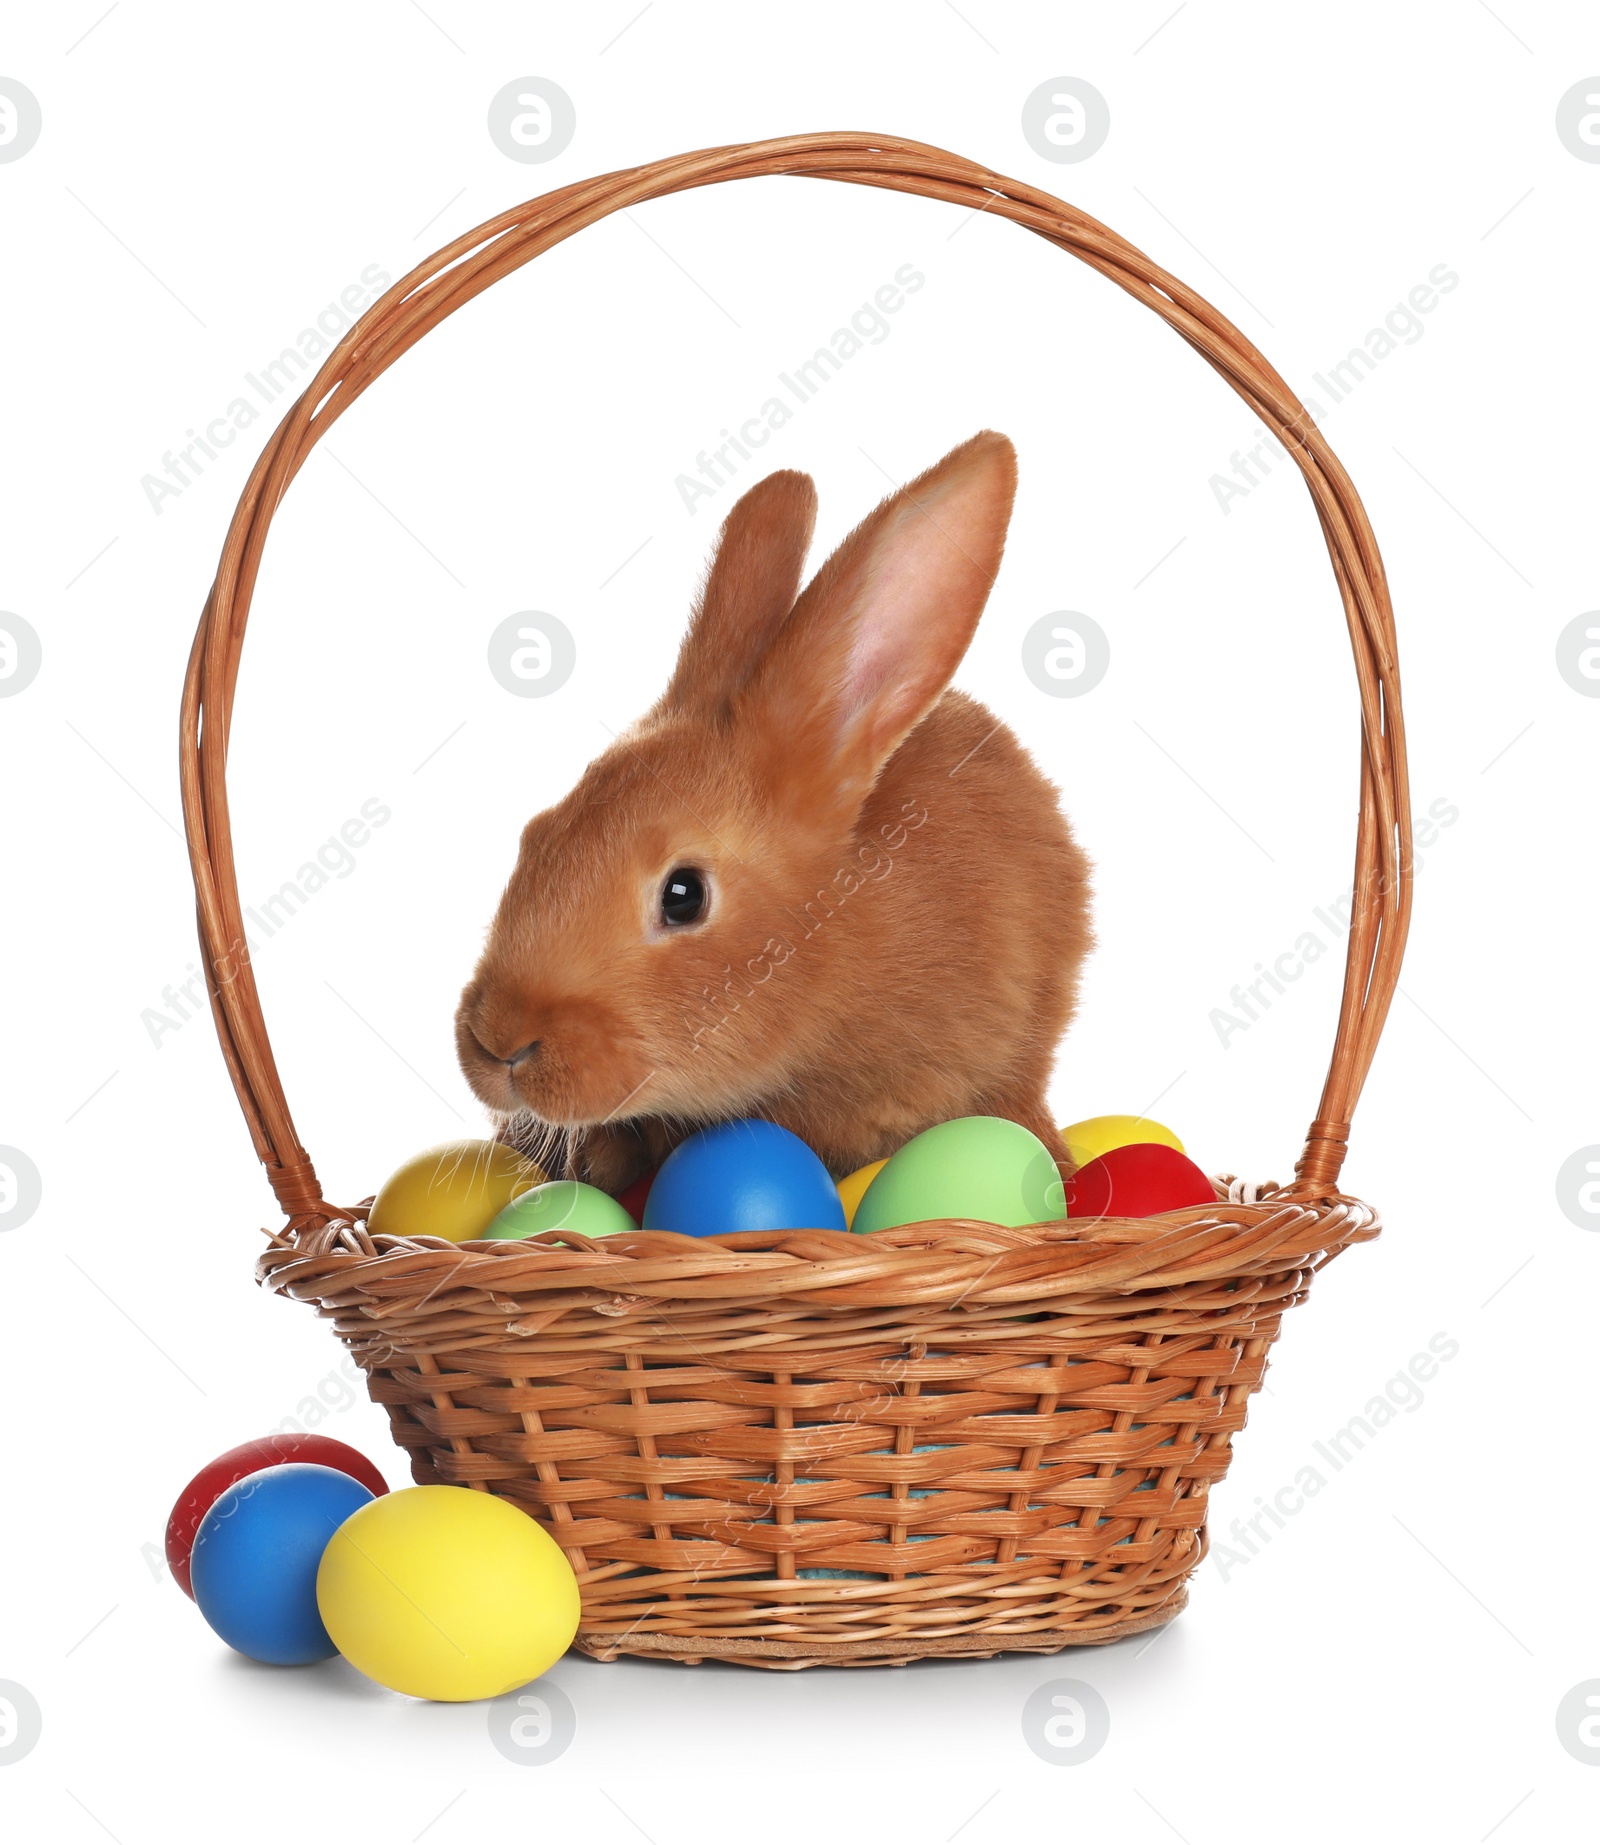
(981, 1167)
(560, 1204)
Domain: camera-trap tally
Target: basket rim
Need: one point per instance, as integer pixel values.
(939, 1262)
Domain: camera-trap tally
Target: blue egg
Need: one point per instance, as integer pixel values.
(742, 1175)
(254, 1567)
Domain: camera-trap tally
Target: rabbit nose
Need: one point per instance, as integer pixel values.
(518, 1058)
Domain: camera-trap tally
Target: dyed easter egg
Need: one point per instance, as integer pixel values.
(448, 1594)
(560, 1204)
(1087, 1140)
(214, 1479)
(742, 1175)
(853, 1188)
(455, 1191)
(981, 1166)
(256, 1556)
(1137, 1181)
(632, 1198)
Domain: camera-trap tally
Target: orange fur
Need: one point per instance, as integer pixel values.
(898, 912)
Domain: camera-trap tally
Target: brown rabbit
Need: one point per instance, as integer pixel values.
(812, 884)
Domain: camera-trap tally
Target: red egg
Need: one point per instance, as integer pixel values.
(211, 1482)
(1137, 1181)
(632, 1200)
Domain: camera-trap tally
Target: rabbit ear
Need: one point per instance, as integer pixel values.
(874, 640)
(749, 589)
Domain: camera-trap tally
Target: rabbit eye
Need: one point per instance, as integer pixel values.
(683, 897)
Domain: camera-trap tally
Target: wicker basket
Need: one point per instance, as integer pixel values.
(804, 1447)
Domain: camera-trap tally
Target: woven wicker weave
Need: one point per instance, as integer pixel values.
(797, 1447)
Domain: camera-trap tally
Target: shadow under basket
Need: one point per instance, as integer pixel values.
(800, 1447)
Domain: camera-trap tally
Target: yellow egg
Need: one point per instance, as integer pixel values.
(453, 1191)
(448, 1594)
(853, 1188)
(1087, 1140)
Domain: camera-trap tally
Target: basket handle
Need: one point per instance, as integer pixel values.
(454, 275)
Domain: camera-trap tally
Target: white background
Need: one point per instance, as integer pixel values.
(207, 180)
